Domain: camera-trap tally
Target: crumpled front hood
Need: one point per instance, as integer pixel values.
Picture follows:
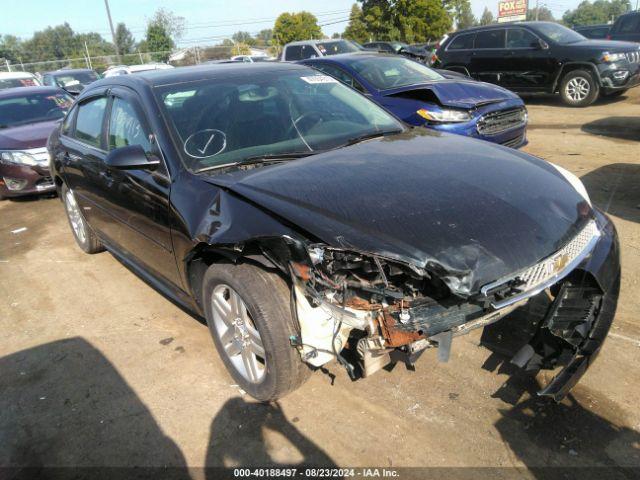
(467, 210)
(461, 93)
(22, 137)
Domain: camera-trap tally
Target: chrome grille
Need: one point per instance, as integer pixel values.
(633, 57)
(541, 275)
(513, 142)
(497, 122)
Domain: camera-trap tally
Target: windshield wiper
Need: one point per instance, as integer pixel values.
(269, 157)
(369, 136)
(275, 157)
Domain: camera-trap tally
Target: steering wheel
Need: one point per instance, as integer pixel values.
(294, 123)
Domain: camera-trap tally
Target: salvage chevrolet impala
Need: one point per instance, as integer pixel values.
(308, 225)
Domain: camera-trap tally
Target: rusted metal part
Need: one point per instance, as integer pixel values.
(395, 336)
(360, 303)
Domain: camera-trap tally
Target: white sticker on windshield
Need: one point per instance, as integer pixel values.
(315, 79)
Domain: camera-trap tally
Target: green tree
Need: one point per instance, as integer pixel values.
(487, 17)
(406, 20)
(11, 48)
(243, 37)
(461, 13)
(357, 29)
(263, 37)
(544, 14)
(162, 31)
(125, 40)
(600, 11)
(290, 27)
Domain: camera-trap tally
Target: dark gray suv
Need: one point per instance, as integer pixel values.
(543, 57)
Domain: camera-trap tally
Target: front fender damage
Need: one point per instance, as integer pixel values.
(366, 310)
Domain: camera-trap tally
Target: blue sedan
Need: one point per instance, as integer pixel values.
(421, 96)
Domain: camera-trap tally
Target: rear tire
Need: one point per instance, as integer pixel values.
(248, 312)
(85, 238)
(579, 89)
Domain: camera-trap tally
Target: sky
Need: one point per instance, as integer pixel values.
(206, 20)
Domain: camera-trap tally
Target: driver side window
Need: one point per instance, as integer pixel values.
(125, 127)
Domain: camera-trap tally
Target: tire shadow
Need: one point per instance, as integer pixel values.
(624, 128)
(615, 189)
(64, 405)
(239, 437)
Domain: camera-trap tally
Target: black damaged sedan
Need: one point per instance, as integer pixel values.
(308, 225)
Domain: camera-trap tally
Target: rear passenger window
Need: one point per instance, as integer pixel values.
(125, 127)
(630, 24)
(520, 38)
(300, 52)
(462, 42)
(490, 39)
(89, 121)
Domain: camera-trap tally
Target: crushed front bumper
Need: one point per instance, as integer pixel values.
(567, 333)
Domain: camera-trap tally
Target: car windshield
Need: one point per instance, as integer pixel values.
(224, 121)
(390, 72)
(336, 47)
(558, 33)
(32, 108)
(65, 80)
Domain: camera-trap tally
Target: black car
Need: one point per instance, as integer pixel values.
(400, 48)
(626, 27)
(543, 57)
(72, 80)
(594, 31)
(306, 224)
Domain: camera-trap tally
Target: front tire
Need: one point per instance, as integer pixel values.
(249, 316)
(579, 89)
(85, 238)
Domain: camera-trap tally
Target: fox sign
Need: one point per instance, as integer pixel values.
(512, 10)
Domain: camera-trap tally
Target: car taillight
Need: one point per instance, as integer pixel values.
(608, 36)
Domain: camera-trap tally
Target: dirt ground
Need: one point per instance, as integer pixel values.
(97, 368)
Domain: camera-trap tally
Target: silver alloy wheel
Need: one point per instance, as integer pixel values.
(75, 217)
(238, 334)
(577, 89)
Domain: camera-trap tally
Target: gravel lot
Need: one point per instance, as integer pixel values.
(96, 368)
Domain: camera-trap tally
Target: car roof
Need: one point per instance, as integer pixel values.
(593, 26)
(170, 76)
(9, 75)
(499, 25)
(22, 91)
(315, 42)
(62, 71)
(347, 58)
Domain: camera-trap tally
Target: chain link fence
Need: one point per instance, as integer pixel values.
(181, 57)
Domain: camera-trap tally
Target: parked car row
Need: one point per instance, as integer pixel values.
(625, 28)
(307, 224)
(543, 57)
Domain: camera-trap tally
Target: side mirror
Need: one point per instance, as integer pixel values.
(541, 44)
(131, 157)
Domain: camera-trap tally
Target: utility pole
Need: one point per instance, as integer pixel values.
(88, 56)
(537, 8)
(113, 32)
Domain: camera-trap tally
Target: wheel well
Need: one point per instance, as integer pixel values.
(205, 255)
(576, 66)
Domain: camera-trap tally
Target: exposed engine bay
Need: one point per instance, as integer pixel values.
(351, 305)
